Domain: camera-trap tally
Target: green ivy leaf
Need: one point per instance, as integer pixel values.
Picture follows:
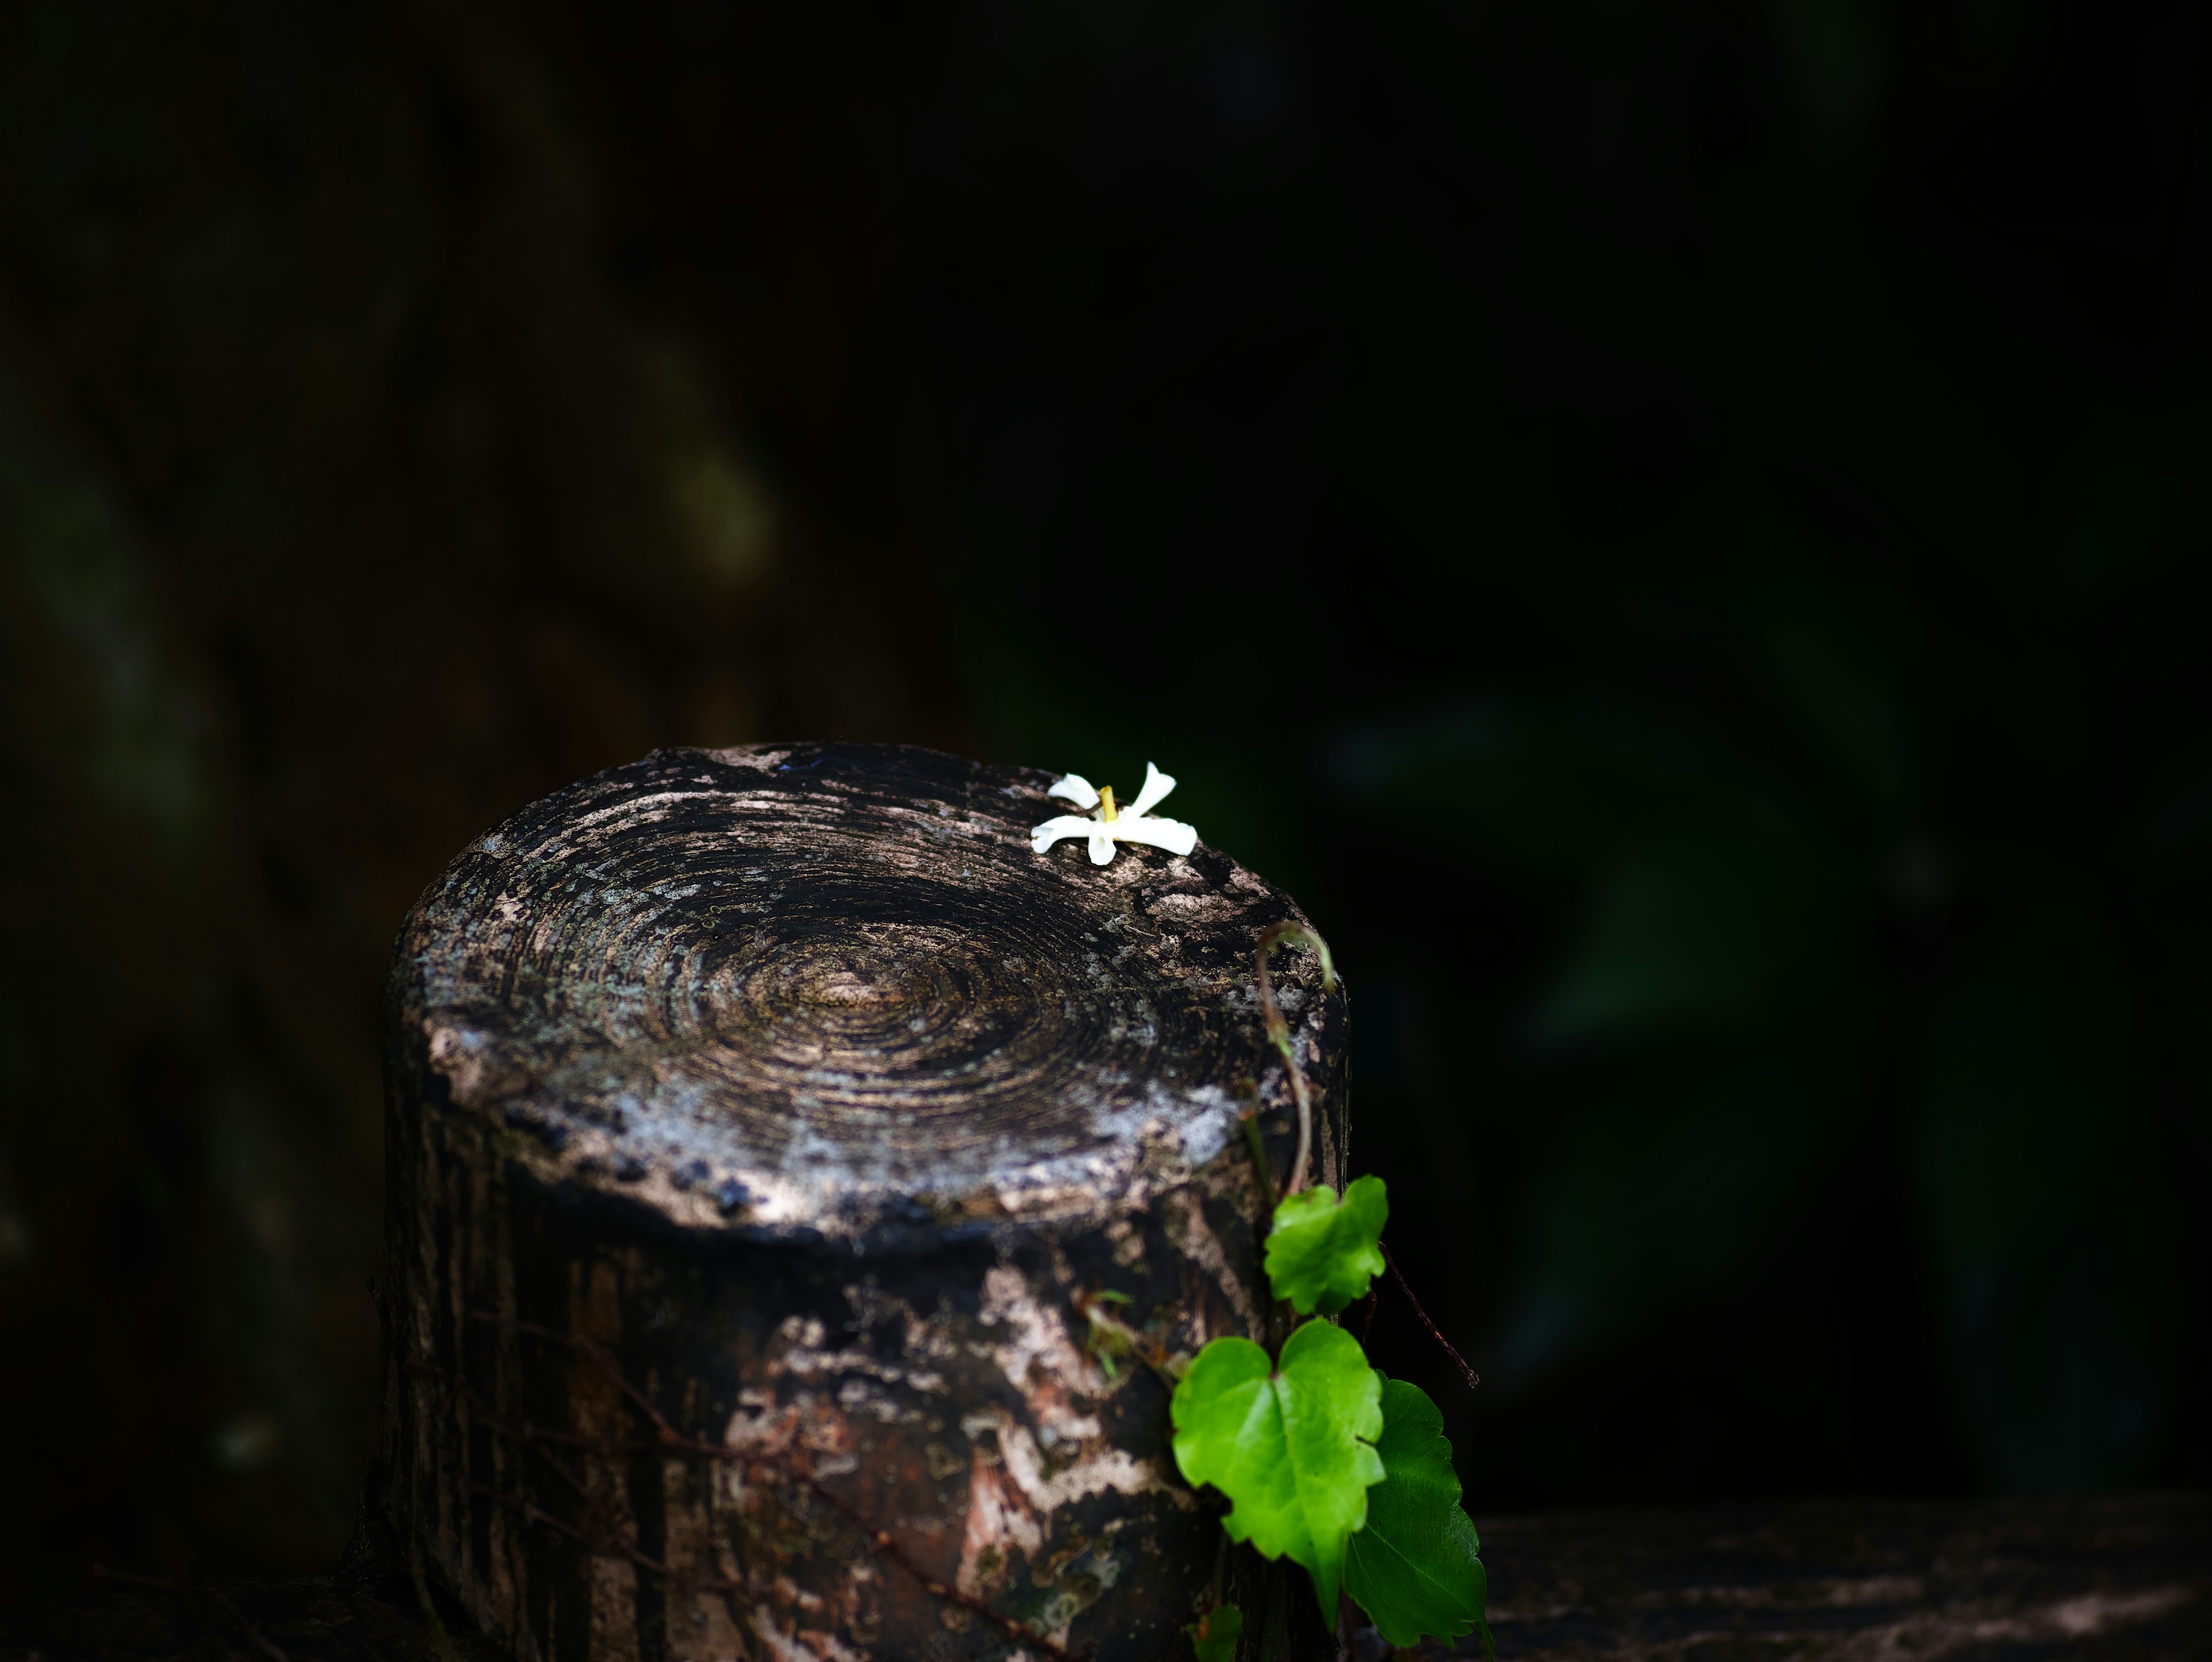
(1321, 1252)
(1293, 1447)
(1413, 1569)
(1215, 1633)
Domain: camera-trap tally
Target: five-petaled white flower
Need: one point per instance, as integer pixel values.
(1134, 824)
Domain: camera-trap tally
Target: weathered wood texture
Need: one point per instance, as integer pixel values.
(2123, 1579)
(759, 1123)
(2126, 1580)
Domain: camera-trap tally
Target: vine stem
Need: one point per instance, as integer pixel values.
(1147, 1349)
(1279, 1032)
(667, 1437)
(1251, 1140)
(1397, 1274)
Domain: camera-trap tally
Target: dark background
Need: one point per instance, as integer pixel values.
(1680, 531)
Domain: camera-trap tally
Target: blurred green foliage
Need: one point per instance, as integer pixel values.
(1697, 567)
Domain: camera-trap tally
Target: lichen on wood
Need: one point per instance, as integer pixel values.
(760, 1124)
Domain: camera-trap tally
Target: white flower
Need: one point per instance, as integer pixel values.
(1107, 826)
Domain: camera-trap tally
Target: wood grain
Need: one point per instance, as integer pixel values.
(760, 1124)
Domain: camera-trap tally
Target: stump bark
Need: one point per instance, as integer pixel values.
(761, 1125)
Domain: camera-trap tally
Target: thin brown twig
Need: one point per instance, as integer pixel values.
(612, 1448)
(1474, 1378)
(881, 1539)
(668, 1438)
(1279, 1033)
(530, 1438)
(262, 1643)
(532, 1513)
(1262, 1225)
(259, 1640)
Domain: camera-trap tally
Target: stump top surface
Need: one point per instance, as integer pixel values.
(828, 988)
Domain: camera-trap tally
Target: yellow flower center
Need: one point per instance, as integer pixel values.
(1107, 811)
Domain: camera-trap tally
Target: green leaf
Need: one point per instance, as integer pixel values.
(1322, 1252)
(1415, 1569)
(1293, 1447)
(1215, 1633)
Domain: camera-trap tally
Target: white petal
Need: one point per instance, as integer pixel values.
(1169, 834)
(1073, 788)
(1068, 825)
(1102, 844)
(1156, 786)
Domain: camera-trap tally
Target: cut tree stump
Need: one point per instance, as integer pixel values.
(764, 1127)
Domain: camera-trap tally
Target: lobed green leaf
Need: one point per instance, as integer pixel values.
(1321, 1252)
(1291, 1446)
(1215, 1633)
(1414, 1567)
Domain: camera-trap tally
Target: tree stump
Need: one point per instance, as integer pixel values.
(763, 1124)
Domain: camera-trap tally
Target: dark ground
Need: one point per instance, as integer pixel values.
(2127, 1580)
